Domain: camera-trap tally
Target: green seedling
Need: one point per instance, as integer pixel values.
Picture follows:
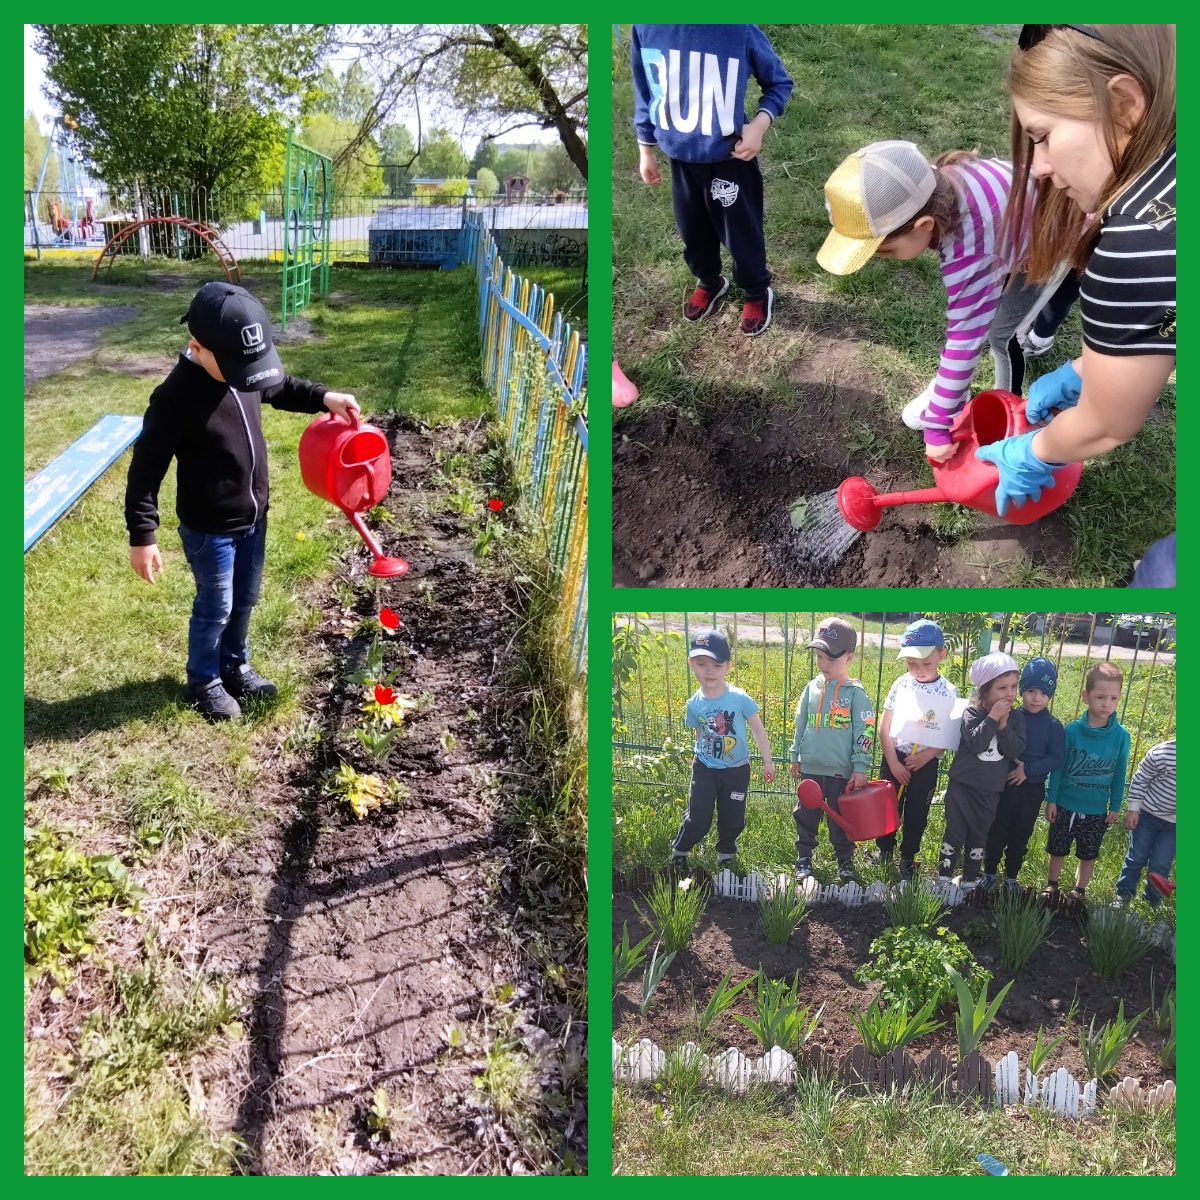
(779, 1019)
(378, 742)
(627, 958)
(1023, 925)
(779, 913)
(1042, 1050)
(653, 976)
(379, 1118)
(886, 1029)
(675, 908)
(722, 1000)
(1102, 1048)
(974, 1013)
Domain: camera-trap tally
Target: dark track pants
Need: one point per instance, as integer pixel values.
(969, 815)
(721, 204)
(808, 821)
(913, 803)
(1016, 815)
(722, 787)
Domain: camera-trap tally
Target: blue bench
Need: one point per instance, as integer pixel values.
(60, 483)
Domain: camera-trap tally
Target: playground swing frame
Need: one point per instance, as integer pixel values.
(206, 233)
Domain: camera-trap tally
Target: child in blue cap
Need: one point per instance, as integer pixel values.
(1023, 795)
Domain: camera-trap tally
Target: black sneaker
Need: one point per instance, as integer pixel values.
(247, 682)
(756, 314)
(906, 869)
(702, 301)
(803, 869)
(212, 701)
(679, 862)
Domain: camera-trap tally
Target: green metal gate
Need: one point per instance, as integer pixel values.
(307, 209)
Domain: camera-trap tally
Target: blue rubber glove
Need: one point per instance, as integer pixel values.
(1052, 393)
(1022, 474)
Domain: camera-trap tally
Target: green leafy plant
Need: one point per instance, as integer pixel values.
(914, 904)
(722, 1000)
(978, 929)
(372, 670)
(65, 893)
(1164, 1020)
(886, 1029)
(675, 907)
(1102, 1048)
(627, 958)
(1116, 939)
(912, 964)
(778, 1019)
(681, 1077)
(656, 968)
(780, 911)
(363, 792)
(379, 1116)
(1042, 1050)
(974, 1013)
(378, 742)
(1023, 924)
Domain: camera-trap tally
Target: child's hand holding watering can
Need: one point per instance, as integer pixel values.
(343, 405)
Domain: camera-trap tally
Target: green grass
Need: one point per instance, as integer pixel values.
(819, 1128)
(941, 87)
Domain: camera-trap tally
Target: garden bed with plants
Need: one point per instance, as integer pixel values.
(872, 975)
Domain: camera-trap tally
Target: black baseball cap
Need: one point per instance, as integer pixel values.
(835, 637)
(708, 643)
(226, 320)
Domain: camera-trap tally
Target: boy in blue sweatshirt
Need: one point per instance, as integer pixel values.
(689, 87)
(1021, 800)
(1085, 794)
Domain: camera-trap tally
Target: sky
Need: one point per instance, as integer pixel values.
(37, 103)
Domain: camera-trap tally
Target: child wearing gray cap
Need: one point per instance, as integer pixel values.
(992, 736)
(835, 733)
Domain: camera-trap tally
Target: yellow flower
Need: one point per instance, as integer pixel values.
(301, 536)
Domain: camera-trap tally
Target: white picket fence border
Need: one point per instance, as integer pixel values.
(1060, 1092)
(853, 895)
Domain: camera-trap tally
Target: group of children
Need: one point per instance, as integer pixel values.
(1009, 760)
(886, 199)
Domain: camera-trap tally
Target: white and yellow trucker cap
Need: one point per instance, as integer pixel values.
(872, 194)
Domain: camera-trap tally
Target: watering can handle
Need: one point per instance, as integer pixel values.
(352, 420)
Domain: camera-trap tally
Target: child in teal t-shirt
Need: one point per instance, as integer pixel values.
(724, 718)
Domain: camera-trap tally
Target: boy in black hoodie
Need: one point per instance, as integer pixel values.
(207, 414)
(1021, 800)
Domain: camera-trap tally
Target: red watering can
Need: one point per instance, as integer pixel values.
(963, 478)
(348, 464)
(1165, 886)
(869, 813)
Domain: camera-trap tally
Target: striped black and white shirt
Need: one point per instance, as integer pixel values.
(1127, 299)
(1152, 789)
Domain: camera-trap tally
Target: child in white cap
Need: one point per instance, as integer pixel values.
(992, 735)
(888, 200)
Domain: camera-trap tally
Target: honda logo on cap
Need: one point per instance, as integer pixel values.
(252, 335)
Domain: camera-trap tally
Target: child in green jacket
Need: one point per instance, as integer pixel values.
(835, 732)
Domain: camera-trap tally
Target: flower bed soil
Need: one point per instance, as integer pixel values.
(834, 940)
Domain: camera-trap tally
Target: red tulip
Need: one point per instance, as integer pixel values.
(389, 619)
(384, 695)
(495, 505)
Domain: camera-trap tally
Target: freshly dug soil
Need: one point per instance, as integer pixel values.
(834, 940)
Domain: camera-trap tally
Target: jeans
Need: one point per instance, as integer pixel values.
(228, 572)
(1152, 842)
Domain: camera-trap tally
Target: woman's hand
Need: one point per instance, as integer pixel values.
(1023, 476)
(1052, 393)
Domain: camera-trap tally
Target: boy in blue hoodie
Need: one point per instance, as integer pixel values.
(689, 87)
(1021, 800)
(1085, 794)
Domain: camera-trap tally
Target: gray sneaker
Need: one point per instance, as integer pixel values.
(846, 873)
(212, 701)
(803, 869)
(246, 681)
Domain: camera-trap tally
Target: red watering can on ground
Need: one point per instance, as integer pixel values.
(348, 464)
(963, 478)
(869, 813)
(1165, 886)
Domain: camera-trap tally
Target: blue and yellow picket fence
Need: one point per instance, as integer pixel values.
(535, 365)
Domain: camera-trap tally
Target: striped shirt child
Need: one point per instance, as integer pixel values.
(1127, 299)
(975, 267)
(1152, 789)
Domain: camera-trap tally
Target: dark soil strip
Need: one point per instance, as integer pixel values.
(382, 934)
(834, 940)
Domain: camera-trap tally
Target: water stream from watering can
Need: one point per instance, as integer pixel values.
(808, 541)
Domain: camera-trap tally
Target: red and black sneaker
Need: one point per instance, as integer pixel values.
(703, 300)
(756, 314)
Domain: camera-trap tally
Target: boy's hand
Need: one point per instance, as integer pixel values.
(769, 770)
(750, 143)
(145, 560)
(940, 454)
(343, 404)
(1051, 813)
(918, 758)
(1110, 818)
(1017, 774)
(858, 780)
(900, 773)
(796, 770)
(648, 166)
(1131, 820)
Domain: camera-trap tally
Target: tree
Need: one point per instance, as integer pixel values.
(486, 184)
(35, 154)
(397, 153)
(182, 105)
(505, 76)
(486, 155)
(441, 156)
(512, 162)
(348, 97)
(360, 175)
(553, 170)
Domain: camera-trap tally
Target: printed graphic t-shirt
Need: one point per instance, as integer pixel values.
(906, 683)
(720, 725)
